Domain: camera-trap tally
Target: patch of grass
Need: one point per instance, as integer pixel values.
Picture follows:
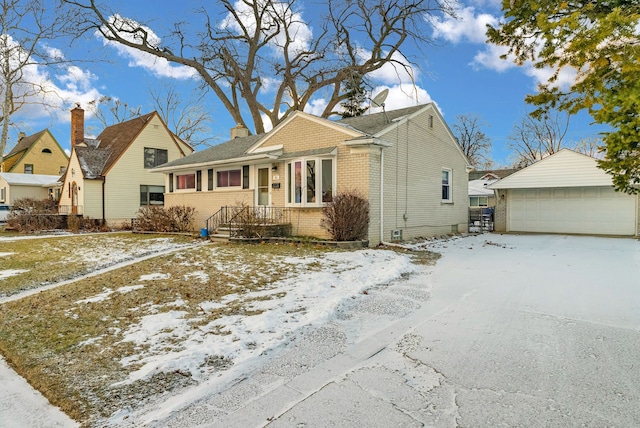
(69, 342)
(50, 260)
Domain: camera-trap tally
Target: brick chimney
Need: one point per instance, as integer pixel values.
(77, 125)
(239, 131)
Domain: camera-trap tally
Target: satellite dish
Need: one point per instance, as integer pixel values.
(378, 100)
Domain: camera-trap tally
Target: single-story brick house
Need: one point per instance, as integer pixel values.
(564, 193)
(405, 162)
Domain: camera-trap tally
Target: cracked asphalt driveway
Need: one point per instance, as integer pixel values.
(505, 330)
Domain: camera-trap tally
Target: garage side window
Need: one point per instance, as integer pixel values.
(446, 185)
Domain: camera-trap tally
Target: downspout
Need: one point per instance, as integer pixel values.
(104, 179)
(381, 194)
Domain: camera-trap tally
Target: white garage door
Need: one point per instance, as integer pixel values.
(589, 210)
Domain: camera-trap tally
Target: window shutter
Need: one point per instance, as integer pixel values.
(245, 176)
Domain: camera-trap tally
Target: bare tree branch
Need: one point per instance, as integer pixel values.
(535, 137)
(25, 26)
(474, 143)
(266, 44)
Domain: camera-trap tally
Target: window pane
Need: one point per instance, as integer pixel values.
(298, 181)
(209, 179)
(311, 181)
(161, 157)
(445, 177)
(245, 177)
(199, 180)
(473, 201)
(222, 179)
(289, 180)
(156, 195)
(149, 157)
(235, 178)
(143, 196)
(187, 181)
(327, 180)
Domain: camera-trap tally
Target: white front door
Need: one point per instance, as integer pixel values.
(263, 185)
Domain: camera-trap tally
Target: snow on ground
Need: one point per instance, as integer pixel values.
(490, 291)
(287, 305)
(11, 272)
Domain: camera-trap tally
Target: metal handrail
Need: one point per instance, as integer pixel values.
(257, 216)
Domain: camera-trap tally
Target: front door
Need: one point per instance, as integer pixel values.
(263, 185)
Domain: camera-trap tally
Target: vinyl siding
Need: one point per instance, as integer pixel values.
(73, 174)
(413, 179)
(566, 168)
(123, 180)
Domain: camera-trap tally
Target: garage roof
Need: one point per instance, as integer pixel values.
(565, 168)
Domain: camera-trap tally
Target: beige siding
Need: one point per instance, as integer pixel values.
(73, 174)
(122, 186)
(413, 179)
(18, 192)
(92, 202)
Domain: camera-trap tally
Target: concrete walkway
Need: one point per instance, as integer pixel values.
(23, 407)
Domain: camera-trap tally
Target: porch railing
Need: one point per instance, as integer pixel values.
(237, 218)
(71, 209)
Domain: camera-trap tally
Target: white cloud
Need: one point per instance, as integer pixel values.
(490, 58)
(392, 72)
(402, 95)
(466, 27)
(159, 66)
(299, 33)
(54, 92)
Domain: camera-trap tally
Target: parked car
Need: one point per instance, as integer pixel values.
(4, 211)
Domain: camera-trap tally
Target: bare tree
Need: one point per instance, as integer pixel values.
(536, 137)
(109, 111)
(474, 143)
(186, 117)
(25, 27)
(260, 43)
(591, 146)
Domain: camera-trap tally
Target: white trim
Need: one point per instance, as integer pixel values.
(450, 184)
(303, 203)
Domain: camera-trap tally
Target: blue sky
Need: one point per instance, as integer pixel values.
(463, 75)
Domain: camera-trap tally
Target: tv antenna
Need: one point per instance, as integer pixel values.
(379, 99)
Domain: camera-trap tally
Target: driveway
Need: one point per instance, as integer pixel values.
(533, 331)
(506, 330)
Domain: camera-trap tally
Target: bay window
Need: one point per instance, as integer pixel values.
(310, 182)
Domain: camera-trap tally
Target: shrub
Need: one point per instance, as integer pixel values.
(346, 218)
(30, 215)
(160, 219)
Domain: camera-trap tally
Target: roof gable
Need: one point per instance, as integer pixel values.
(565, 168)
(25, 143)
(299, 115)
(231, 149)
(374, 123)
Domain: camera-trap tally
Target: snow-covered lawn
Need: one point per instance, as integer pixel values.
(28, 262)
(112, 341)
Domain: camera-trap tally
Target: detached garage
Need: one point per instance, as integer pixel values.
(564, 193)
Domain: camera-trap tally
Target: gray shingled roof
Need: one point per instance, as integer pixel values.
(373, 123)
(230, 150)
(93, 161)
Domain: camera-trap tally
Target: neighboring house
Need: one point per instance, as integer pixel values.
(491, 173)
(109, 178)
(39, 153)
(405, 162)
(564, 193)
(480, 195)
(37, 186)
